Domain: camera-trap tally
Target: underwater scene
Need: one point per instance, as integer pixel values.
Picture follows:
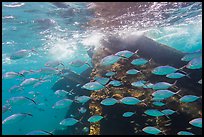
(101, 68)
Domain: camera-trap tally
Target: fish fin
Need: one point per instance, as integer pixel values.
(136, 52)
(150, 60)
(181, 69)
(30, 100)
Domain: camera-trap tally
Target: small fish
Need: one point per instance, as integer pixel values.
(128, 114)
(21, 54)
(61, 93)
(109, 101)
(190, 56)
(140, 83)
(197, 122)
(15, 118)
(82, 99)
(102, 80)
(95, 118)
(115, 83)
(110, 60)
(16, 89)
(139, 62)
(132, 71)
(184, 133)
(154, 112)
(49, 70)
(79, 63)
(162, 85)
(195, 63)
(29, 82)
(164, 94)
(164, 70)
(151, 130)
(177, 75)
(10, 75)
(64, 103)
(109, 74)
(19, 100)
(39, 132)
(54, 63)
(168, 111)
(130, 100)
(189, 98)
(93, 86)
(125, 53)
(69, 122)
(82, 110)
(159, 104)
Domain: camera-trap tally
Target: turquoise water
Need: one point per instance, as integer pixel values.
(59, 33)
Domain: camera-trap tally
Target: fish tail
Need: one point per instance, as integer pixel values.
(174, 84)
(150, 60)
(31, 100)
(187, 75)
(178, 93)
(136, 52)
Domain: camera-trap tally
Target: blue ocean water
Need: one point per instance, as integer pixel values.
(58, 32)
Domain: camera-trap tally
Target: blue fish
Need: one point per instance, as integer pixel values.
(130, 100)
(164, 93)
(159, 104)
(196, 63)
(82, 99)
(162, 85)
(177, 75)
(109, 101)
(126, 53)
(197, 122)
(64, 103)
(164, 70)
(128, 114)
(110, 60)
(188, 98)
(190, 56)
(132, 71)
(95, 118)
(93, 86)
(69, 122)
(115, 83)
(168, 111)
(102, 80)
(140, 83)
(109, 74)
(139, 62)
(184, 133)
(154, 112)
(15, 118)
(151, 130)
